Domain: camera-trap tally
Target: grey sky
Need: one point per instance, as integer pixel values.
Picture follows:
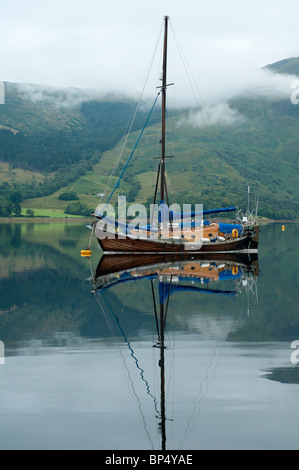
(109, 45)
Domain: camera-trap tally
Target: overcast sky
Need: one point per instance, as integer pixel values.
(108, 45)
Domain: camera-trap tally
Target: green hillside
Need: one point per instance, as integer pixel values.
(50, 146)
(214, 165)
(49, 138)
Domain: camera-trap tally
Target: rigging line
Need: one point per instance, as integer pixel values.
(172, 133)
(128, 161)
(135, 113)
(91, 279)
(138, 366)
(172, 368)
(198, 398)
(108, 184)
(102, 297)
(171, 114)
(166, 312)
(197, 401)
(155, 310)
(170, 221)
(105, 313)
(156, 190)
(92, 232)
(189, 73)
(132, 354)
(138, 401)
(125, 365)
(168, 296)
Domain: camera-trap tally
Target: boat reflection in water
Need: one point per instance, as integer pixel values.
(176, 273)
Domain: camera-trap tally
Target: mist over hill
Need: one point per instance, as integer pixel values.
(52, 139)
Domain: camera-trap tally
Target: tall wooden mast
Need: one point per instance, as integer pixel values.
(164, 76)
(161, 180)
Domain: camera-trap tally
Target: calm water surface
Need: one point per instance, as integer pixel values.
(82, 367)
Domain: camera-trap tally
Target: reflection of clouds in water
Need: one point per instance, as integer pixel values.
(82, 395)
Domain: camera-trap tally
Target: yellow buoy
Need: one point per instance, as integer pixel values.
(85, 253)
(235, 270)
(235, 233)
(282, 228)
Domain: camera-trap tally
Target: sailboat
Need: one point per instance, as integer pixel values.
(174, 274)
(173, 231)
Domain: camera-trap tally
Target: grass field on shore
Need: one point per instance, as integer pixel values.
(51, 213)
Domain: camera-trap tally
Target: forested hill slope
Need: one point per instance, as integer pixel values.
(55, 136)
(55, 128)
(52, 139)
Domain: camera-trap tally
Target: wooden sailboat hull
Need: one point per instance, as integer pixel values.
(112, 242)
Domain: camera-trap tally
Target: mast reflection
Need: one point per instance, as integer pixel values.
(175, 273)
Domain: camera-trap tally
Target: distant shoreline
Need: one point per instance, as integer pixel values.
(85, 219)
(43, 219)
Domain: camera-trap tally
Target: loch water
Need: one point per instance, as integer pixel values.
(80, 351)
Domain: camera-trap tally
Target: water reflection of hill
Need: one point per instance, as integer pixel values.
(43, 290)
(34, 245)
(276, 318)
